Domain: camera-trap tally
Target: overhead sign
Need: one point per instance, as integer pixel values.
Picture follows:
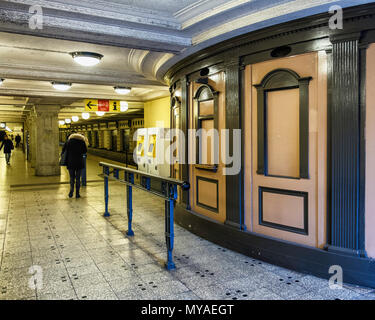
(102, 105)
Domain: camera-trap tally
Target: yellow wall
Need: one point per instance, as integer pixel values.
(157, 111)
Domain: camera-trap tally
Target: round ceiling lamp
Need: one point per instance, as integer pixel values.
(61, 122)
(2, 125)
(122, 90)
(68, 121)
(87, 59)
(85, 115)
(124, 106)
(61, 86)
(100, 113)
(75, 118)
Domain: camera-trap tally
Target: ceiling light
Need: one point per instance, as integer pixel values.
(75, 118)
(1, 81)
(61, 86)
(124, 106)
(122, 90)
(68, 121)
(100, 113)
(8, 129)
(87, 59)
(2, 125)
(85, 115)
(61, 122)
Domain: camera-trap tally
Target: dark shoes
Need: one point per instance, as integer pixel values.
(70, 194)
(78, 196)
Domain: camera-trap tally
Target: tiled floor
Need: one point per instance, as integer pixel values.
(76, 253)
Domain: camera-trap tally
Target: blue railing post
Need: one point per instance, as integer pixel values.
(169, 226)
(106, 194)
(84, 171)
(129, 202)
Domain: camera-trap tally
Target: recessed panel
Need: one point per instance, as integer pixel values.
(206, 150)
(206, 108)
(283, 209)
(283, 133)
(207, 193)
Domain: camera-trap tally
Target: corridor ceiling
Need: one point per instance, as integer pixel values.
(139, 39)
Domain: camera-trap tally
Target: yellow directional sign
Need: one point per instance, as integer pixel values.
(91, 105)
(102, 105)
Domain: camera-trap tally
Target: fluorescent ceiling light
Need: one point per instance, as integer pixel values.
(124, 106)
(75, 118)
(61, 86)
(87, 59)
(61, 122)
(100, 113)
(68, 121)
(122, 90)
(85, 115)
(8, 129)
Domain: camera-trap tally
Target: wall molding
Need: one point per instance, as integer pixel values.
(304, 195)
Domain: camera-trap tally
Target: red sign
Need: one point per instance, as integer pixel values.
(103, 105)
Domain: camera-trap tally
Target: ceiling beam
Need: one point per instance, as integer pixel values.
(147, 33)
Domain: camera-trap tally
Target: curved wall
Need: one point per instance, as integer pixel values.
(317, 217)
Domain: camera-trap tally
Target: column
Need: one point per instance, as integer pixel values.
(120, 140)
(107, 139)
(47, 141)
(233, 109)
(346, 124)
(101, 139)
(33, 139)
(93, 139)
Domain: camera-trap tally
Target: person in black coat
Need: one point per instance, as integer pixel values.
(76, 147)
(18, 140)
(8, 147)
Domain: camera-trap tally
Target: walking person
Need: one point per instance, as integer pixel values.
(18, 140)
(8, 147)
(75, 148)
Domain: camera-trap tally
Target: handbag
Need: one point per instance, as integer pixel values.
(64, 158)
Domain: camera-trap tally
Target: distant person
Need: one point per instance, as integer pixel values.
(75, 148)
(8, 147)
(18, 140)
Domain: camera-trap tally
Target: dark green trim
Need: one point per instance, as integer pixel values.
(233, 120)
(206, 93)
(283, 79)
(347, 230)
(184, 118)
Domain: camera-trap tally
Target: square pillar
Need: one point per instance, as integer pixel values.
(346, 160)
(47, 141)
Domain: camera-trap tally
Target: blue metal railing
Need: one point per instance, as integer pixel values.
(168, 193)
